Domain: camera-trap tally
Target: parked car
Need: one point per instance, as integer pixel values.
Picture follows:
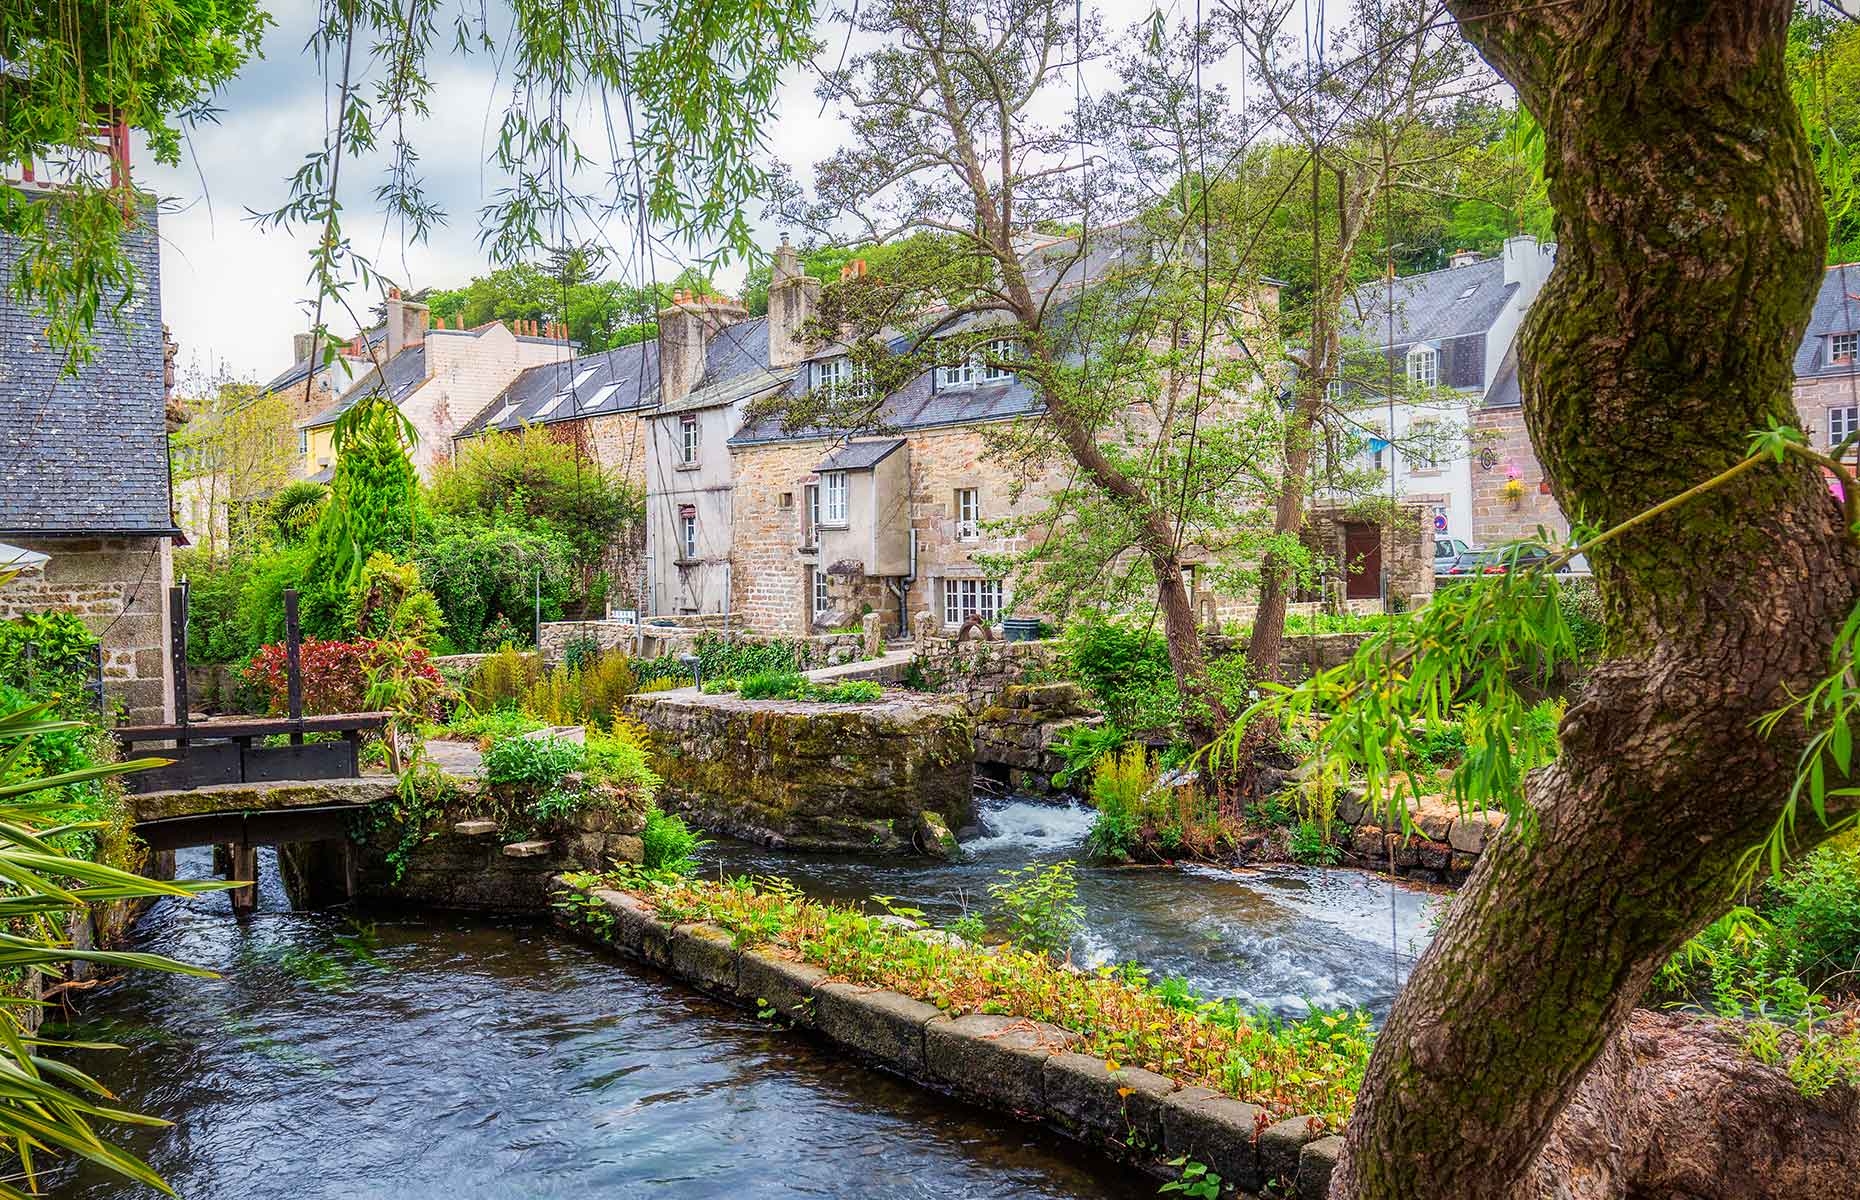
(1447, 552)
(1508, 558)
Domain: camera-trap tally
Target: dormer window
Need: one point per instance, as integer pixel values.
(1424, 366)
(844, 377)
(959, 375)
(999, 352)
(1843, 347)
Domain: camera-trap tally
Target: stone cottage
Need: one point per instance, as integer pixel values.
(1827, 362)
(84, 476)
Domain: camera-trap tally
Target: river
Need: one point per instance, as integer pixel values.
(414, 1056)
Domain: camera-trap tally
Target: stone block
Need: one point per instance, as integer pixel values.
(1367, 843)
(1352, 807)
(1084, 1095)
(475, 828)
(884, 1026)
(624, 847)
(705, 956)
(637, 929)
(787, 987)
(1471, 832)
(1280, 1144)
(1214, 1129)
(997, 1059)
(532, 849)
(1433, 817)
(1316, 1161)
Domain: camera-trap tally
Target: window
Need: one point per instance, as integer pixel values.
(968, 514)
(961, 374)
(1843, 346)
(833, 501)
(832, 372)
(786, 501)
(688, 440)
(689, 524)
(1841, 424)
(1333, 391)
(818, 588)
(1424, 366)
(1000, 349)
(303, 441)
(965, 598)
(810, 513)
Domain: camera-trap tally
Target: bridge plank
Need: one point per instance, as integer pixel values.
(248, 727)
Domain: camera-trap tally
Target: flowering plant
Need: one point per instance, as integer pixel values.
(335, 674)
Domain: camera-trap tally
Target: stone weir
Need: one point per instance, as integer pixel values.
(894, 775)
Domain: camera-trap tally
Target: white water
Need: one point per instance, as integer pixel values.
(1029, 827)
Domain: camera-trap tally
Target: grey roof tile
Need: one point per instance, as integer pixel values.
(1837, 310)
(1429, 307)
(859, 456)
(625, 379)
(86, 453)
(401, 374)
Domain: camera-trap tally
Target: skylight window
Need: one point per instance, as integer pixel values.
(555, 402)
(599, 398)
(1468, 290)
(504, 414)
(582, 378)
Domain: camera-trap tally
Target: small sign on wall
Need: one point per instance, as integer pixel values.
(626, 616)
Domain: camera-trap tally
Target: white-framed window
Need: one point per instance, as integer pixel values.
(817, 588)
(688, 439)
(688, 535)
(1000, 350)
(968, 514)
(303, 441)
(1424, 366)
(957, 375)
(965, 598)
(832, 372)
(1841, 424)
(810, 512)
(1333, 391)
(1844, 346)
(833, 498)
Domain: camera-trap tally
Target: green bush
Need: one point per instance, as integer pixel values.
(1041, 906)
(1119, 784)
(217, 629)
(721, 657)
(536, 764)
(533, 479)
(1126, 669)
(485, 574)
(493, 725)
(853, 691)
(670, 846)
(774, 685)
(589, 694)
(1817, 914)
(1310, 845)
(623, 759)
(503, 679)
(1082, 746)
(50, 656)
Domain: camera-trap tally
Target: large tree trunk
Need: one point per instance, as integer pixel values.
(1691, 242)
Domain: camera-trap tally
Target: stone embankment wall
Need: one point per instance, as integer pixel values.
(891, 775)
(1443, 848)
(1003, 1062)
(1016, 734)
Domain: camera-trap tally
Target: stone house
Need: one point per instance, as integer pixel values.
(1451, 335)
(439, 378)
(84, 476)
(1827, 362)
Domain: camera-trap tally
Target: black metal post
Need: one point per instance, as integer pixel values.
(177, 651)
(294, 676)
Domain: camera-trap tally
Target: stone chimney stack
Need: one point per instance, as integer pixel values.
(303, 346)
(1464, 258)
(794, 300)
(1528, 263)
(406, 322)
(686, 328)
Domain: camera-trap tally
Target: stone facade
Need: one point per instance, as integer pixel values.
(1817, 399)
(1407, 549)
(1511, 496)
(119, 586)
(813, 776)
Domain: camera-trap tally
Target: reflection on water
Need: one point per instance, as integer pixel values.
(1280, 937)
(461, 1058)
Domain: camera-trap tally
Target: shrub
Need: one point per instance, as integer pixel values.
(488, 727)
(481, 574)
(665, 669)
(1818, 914)
(1119, 785)
(1041, 906)
(591, 694)
(1082, 746)
(721, 657)
(388, 600)
(536, 765)
(335, 674)
(217, 631)
(623, 759)
(50, 656)
(853, 691)
(577, 651)
(503, 679)
(773, 685)
(670, 846)
(1126, 669)
(533, 478)
(1311, 845)
(370, 506)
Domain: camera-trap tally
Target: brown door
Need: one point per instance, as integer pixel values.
(1362, 562)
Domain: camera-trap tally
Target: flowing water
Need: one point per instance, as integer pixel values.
(1284, 938)
(355, 1055)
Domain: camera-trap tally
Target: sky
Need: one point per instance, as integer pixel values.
(232, 293)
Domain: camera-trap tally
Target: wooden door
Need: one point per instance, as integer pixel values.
(1362, 561)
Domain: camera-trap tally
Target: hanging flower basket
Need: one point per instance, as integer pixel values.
(1513, 490)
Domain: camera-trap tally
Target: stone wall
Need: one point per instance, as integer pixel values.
(769, 574)
(1443, 847)
(1815, 397)
(1007, 1063)
(119, 586)
(1407, 548)
(889, 775)
(1017, 733)
(1498, 516)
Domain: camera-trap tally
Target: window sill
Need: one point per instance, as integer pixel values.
(690, 466)
(835, 525)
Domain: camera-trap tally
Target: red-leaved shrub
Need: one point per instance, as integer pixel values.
(335, 674)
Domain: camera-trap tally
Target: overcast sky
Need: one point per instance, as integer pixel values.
(232, 294)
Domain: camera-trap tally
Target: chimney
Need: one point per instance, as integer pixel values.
(794, 300)
(1528, 263)
(406, 322)
(685, 330)
(1464, 258)
(303, 347)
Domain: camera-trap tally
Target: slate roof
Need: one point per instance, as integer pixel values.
(859, 456)
(625, 379)
(87, 454)
(1837, 310)
(296, 372)
(400, 375)
(1504, 391)
(1429, 307)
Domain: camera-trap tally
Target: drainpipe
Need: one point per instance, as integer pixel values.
(902, 588)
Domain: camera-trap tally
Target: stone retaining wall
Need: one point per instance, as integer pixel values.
(1443, 848)
(893, 775)
(1017, 732)
(1026, 1068)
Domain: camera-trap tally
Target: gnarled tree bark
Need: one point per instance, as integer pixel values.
(1691, 238)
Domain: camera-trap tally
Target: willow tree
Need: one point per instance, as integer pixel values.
(1691, 236)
